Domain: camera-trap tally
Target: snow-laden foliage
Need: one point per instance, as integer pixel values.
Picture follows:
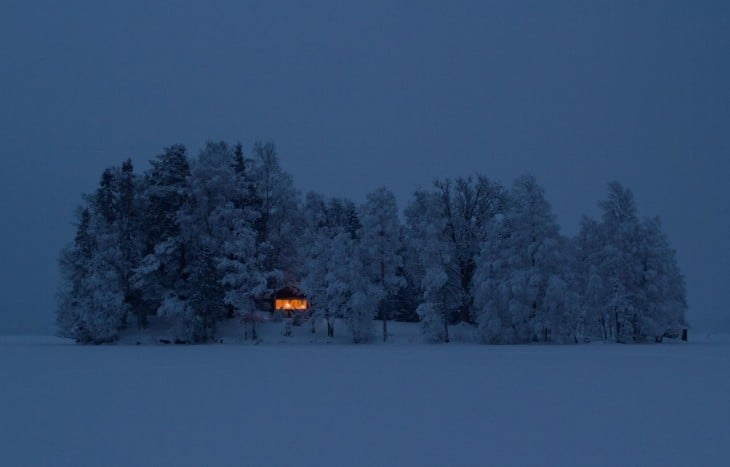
(523, 294)
(93, 305)
(446, 228)
(198, 240)
(380, 246)
(632, 290)
(339, 278)
(278, 219)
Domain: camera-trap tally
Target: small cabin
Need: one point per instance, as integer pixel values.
(289, 300)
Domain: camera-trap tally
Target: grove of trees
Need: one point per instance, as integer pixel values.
(196, 240)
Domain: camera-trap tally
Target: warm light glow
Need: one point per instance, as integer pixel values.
(291, 304)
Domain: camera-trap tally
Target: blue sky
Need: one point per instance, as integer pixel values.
(362, 94)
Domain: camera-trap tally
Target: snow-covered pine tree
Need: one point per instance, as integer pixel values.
(207, 229)
(246, 280)
(93, 303)
(380, 249)
(162, 194)
(103, 305)
(73, 265)
(129, 234)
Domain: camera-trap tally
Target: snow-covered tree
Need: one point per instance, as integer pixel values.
(593, 317)
(633, 290)
(380, 248)
(102, 303)
(350, 292)
(446, 228)
(431, 262)
(129, 236)
(523, 293)
(245, 279)
(314, 249)
(92, 303)
(198, 294)
(363, 303)
(73, 265)
(162, 194)
(278, 220)
(662, 284)
(619, 262)
(328, 226)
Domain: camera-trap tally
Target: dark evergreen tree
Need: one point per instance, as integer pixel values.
(163, 193)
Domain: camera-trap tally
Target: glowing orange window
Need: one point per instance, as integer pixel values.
(291, 304)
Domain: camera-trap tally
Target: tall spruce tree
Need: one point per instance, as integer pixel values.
(163, 194)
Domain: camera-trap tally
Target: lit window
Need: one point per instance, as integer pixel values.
(291, 304)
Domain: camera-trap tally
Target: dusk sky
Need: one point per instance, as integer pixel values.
(358, 95)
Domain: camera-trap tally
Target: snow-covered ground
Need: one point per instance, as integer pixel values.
(370, 405)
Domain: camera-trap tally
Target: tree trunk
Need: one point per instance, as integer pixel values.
(141, 317)
(446, 330)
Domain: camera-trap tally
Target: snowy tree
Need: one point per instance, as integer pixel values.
(523, 293)
(92, 303)
(619, 262)
(245, 278)
(633, 291)
(363, 303)
(278, 220)
(104, 307)
(663, 286)
(208, 227)
(162, 195)
(340, 253)
(593, 318)
(324, 279)
(129, 236)
(447, 227)
(73, 265)
(431, 262)
(164, 192)
(380, 248)
(313, 247)
(349, 290)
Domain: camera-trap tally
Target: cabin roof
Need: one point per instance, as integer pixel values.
(289, 292)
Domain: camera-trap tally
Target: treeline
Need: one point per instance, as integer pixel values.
(198, 240)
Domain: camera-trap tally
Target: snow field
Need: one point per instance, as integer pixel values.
(368, 405)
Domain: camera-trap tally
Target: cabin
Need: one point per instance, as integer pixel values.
(289, 300)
